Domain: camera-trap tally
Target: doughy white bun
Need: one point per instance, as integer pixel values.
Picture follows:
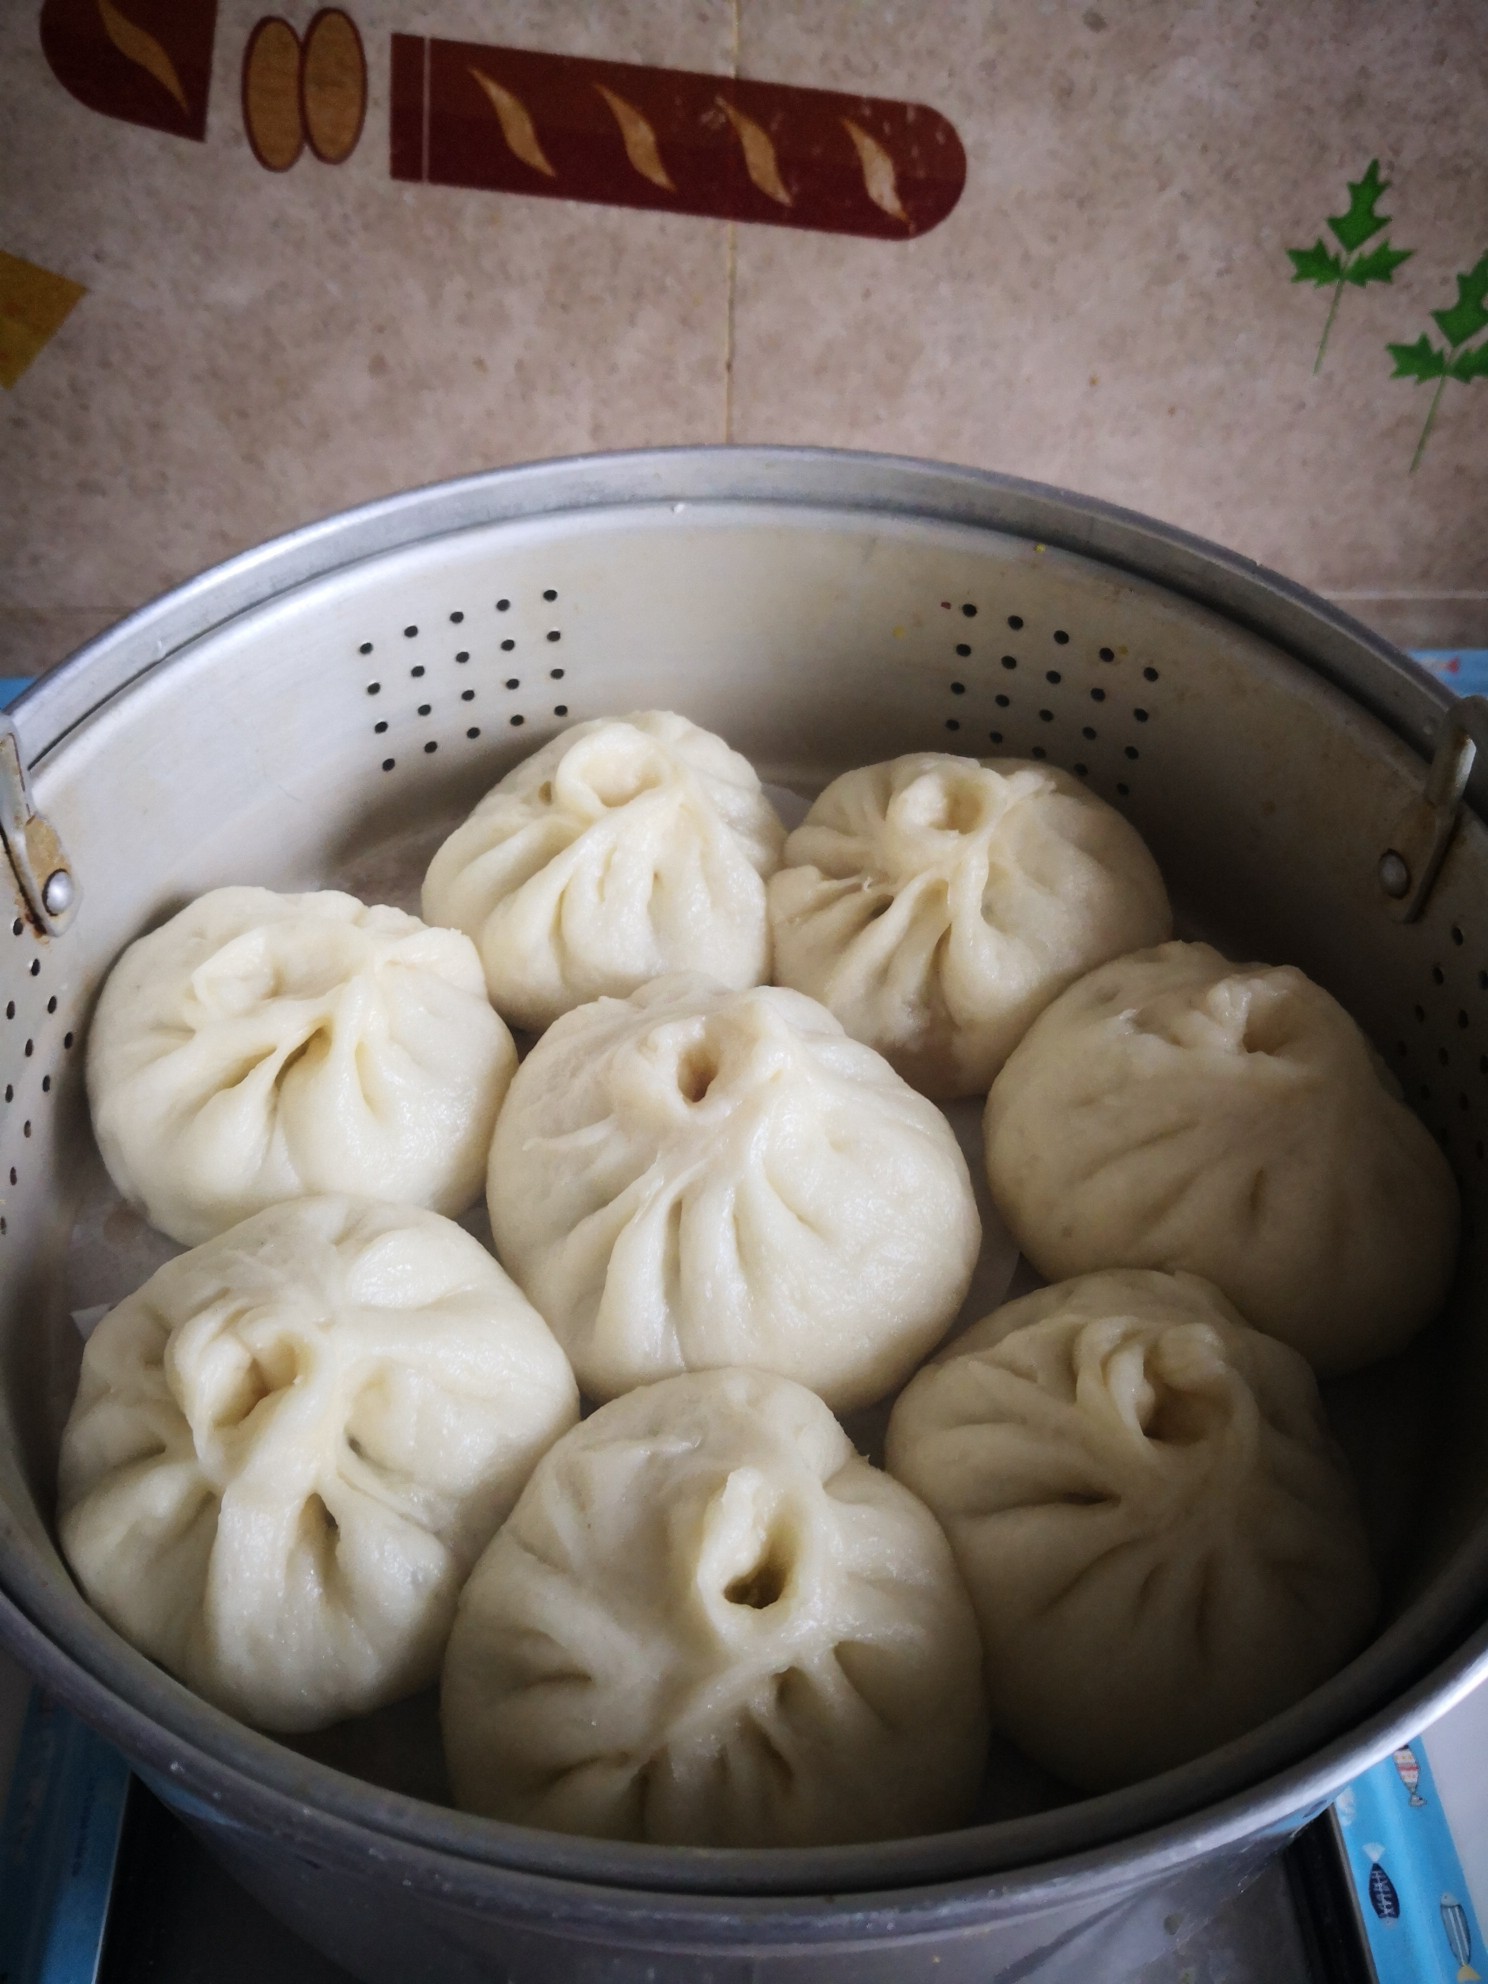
(937, 904)
(289, 1447)
(1174, 1110)
(260, 1046)
(695, 1177)
(1161, 1540)
(708, 1622)
(625, 848)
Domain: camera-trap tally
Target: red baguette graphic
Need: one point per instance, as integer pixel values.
(410, 65)
(512, 120)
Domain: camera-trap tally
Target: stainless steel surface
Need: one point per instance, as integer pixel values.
(278, 721)
(37, 857)
(99, 1884)
(1065, 1938)
(177, 1918)
(1395, 877)
(1372, 671)
(1418, 846)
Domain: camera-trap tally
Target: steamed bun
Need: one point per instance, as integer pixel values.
(260, 1046)
(624, 849)
(695, 1177)
(937, 904)
(1160, 1539)
(1174, 1110)
(708, 1622)
(289, 1447)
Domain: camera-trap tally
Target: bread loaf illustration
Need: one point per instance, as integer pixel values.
(565, 127)
(271, 94)
(304, 90)
(333, 86)
(143, 61)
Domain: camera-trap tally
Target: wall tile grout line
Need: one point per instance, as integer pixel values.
(728, 333)
(732, 262)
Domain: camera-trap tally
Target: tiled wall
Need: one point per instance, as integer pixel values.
(1109, 305)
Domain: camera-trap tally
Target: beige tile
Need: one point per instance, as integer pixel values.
(32, 641)
(1421, 619)
(1110, 305)
(259, 349)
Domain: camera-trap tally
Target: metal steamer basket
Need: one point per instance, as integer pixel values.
(352, 688)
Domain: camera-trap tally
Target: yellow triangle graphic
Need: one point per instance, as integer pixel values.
(34, 303)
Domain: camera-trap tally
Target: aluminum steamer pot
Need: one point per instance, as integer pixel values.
(281, 718)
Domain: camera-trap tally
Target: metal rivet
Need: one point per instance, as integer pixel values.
(58, 893)
(1394, 876)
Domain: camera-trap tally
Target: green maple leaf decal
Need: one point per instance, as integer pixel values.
(1421, 360)
(1462, 361)
(1379, 265)
(1361, 222)
(1467, 316)
(1318, 264)
(1315, 264)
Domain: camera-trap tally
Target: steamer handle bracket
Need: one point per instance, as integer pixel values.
(1410, 864)
(37, 856)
